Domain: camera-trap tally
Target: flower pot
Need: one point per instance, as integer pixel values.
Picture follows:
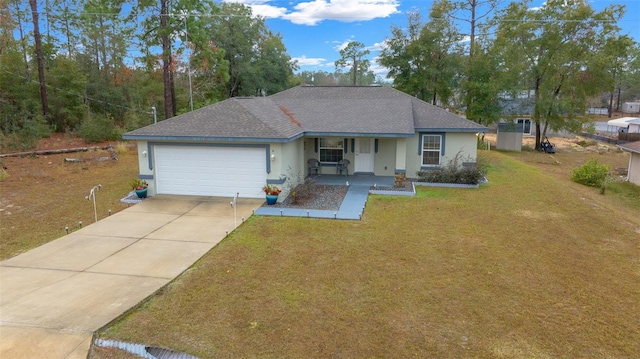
(272, 199)
(142, 193)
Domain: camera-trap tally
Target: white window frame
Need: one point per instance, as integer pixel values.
(439, 150)
(524, 125)
(338, 145)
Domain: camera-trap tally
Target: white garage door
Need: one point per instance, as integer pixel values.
(210, 171)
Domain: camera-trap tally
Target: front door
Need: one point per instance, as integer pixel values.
(364, 155)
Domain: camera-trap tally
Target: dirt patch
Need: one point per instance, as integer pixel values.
(41, 195)
(571, 152)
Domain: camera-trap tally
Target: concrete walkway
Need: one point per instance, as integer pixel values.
(54, 297)
(352, 206)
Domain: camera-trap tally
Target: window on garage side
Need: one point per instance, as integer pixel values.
(431, 149)
(330, 150)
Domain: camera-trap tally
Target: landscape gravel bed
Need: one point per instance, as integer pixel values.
(326, 197)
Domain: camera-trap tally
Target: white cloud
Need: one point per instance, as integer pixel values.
(341, 45)
(378, 69)
(378, 46)
(465, 39)
(314, 61)
(315, 11)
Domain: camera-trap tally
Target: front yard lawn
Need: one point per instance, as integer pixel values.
(526, 266)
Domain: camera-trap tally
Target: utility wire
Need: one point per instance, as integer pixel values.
(76, 94)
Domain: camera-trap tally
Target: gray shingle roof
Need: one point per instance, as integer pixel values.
(356, 111)
(231, 119)
(631, 146)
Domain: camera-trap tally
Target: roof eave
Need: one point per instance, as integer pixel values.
(357, 134)
(628, 149)
(454, 129)
(211, 138)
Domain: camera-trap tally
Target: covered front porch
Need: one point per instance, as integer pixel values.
(367, 156)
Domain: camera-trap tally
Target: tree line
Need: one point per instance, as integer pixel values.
(555, 60)
(98, 67)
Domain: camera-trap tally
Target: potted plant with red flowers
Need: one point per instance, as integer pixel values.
(140, 187)
(271, 193)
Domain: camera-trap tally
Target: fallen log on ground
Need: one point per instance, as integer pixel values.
(55, 152)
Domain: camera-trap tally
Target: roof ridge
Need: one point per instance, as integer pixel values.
(269, 124)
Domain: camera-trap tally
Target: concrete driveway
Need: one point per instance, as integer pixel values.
(54, 297)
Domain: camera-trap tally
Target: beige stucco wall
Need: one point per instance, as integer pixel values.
(289, 162)
(143, 166)
(462, 143)
(385, 158)
(634, 168)
(290, 159)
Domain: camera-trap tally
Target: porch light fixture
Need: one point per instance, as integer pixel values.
(273, 157)
(144, 153)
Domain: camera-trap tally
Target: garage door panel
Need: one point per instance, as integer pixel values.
(210, 171)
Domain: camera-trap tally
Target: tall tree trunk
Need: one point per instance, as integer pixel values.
(39, 56)
(355, 71)
(610, 104)
(536, 112)
(102, 50)
(472, 35)
(68, 33)
(166, 60)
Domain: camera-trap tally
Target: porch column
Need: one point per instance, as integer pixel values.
(401, 155)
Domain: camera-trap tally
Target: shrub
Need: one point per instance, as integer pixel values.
(134, 120)
(22, 130)
(303, 189)
(454, 172)
(590, 174)
(98, 128)
(527, 148)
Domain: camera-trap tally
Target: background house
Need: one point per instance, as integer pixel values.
(633, 175)
(237, 145)
(631, 107)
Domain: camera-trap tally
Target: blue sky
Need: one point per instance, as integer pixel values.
(314, 31)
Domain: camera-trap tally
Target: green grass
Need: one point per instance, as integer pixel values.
(626, 193)
(526, 266)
